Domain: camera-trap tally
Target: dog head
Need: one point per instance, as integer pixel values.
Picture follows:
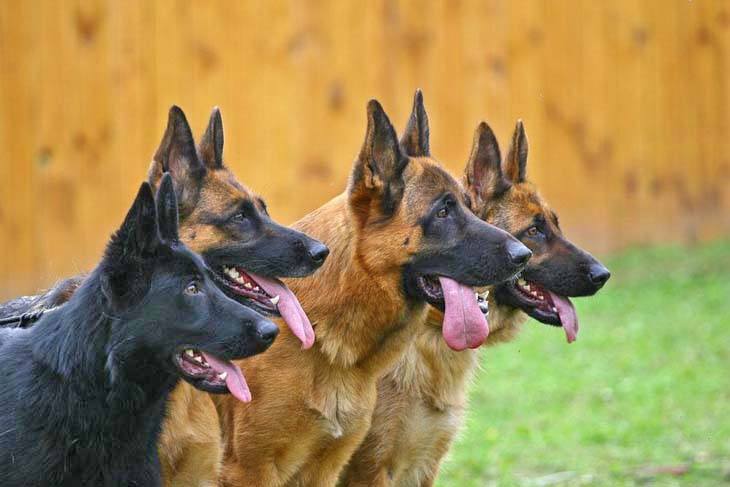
(169, 306)
(413, 218)
(230, 226)
(502, 195)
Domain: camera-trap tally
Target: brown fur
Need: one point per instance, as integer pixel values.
(422, 400)
(189, 447)
(313, 408)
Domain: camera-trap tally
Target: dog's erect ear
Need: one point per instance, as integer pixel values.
(177, 155)
(483, 175)
(167, 219)
(138, 237)
(378, 171)
(516, 162)
(211, 145)
(129, 249)
(415, 138)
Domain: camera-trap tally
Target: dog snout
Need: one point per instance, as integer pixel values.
(318, 252)
(598, 275)
(266, 332)
(517, 253)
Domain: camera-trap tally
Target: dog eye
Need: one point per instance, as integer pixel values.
(192, 289)
(532, 231)
(443, 212)
(238, 217)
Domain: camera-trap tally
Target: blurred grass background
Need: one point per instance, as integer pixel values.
(642, 397)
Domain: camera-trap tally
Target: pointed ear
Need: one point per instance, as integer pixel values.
(483, 174)
(138, 237)
(415, 138)
(516, 162)
(211, 145)
(378, 171)
(167, 219)
(177, 155)
(136, 241)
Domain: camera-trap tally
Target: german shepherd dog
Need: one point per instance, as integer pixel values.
(230, 227)
(401, 236)
(422, 400)
(84, 390)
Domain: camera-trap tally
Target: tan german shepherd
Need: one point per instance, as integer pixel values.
(400, 236)
(229, 226)
(422, 401)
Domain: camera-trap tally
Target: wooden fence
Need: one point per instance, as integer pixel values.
(626, 105)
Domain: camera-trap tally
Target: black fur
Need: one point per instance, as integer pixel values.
(83, 392)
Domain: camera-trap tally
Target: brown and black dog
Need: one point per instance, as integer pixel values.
(246, 251)
(401, 235)
(421, 402)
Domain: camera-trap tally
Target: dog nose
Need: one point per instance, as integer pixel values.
(598, 275)
(267, 332)
(517, 253)
(318, 252)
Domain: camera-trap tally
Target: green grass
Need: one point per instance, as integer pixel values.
(647, 385)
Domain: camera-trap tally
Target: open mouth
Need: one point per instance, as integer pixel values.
(540, 303)
(431, 290)
(465, 321)
(239, 285)
(211, 374)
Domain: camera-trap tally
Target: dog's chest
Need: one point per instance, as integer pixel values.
(343, 406)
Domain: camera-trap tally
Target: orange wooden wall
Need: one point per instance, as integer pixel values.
(626, 105)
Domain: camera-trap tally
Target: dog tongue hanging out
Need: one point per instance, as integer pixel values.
(465, 326)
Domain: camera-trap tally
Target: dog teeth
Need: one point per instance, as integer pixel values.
(554, 309)
(256, 288)
(522, 283)
(248, 285)
(275, 300)
(223, 375)
(189, 352)
(232, 273)
(198, 359)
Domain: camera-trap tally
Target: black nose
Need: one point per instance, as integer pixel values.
(267, 332)
(318, 252)
(517, 253)
(598, 275)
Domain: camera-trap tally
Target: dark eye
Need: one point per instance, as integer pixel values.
(238, 217)
(192, 288)
(443, 212)
(532, 231)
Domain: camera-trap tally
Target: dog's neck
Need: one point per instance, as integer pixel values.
(433, 371)
(359, 320)
(92, 354)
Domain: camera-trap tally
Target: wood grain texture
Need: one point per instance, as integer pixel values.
(626, 106)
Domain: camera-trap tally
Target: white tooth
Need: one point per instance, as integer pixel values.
(189, 352)
(541, 298)
(239, 279)
(522, 282)
(223, 375)
(554, 310)
(534, 293)
(275, 300)
(257, 288)
(248, 285)
(198, 359)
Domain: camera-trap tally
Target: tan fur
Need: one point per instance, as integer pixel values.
(189, 446)
(422, 400)
(312, 408)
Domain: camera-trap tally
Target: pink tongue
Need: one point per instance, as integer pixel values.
(234, 379)
(464, 323)
(567, 314)
(289, 308)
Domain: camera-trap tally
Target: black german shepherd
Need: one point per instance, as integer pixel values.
(83, 391)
